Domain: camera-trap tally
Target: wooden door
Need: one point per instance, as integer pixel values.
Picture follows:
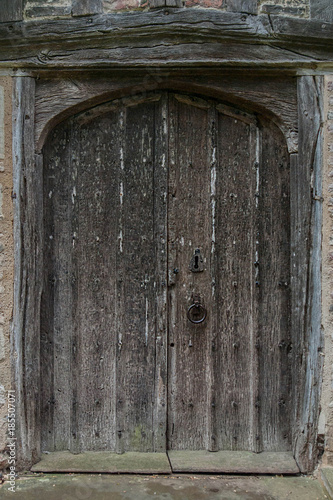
(104, 300)
(229, 377)
(153, 205)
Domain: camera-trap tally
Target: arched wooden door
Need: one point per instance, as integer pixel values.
(152, 206)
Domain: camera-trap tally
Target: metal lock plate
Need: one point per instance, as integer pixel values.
(197, 263)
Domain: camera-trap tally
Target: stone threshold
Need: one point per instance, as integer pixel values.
(224, 462)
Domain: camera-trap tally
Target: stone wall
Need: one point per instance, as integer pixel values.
(297, 8)
(48, 8)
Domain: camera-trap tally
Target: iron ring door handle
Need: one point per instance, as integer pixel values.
(200, 307)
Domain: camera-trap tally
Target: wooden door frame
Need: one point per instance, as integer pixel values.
(264, 90)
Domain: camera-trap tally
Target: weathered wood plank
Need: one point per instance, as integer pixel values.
(321, 10)
(28, 279)
(161, 162)
(83, 40)
(86, 7)
(114, 25)
(187, 54)
(213, 376)
(273, 260)
(189, 195)
(11, 10)
(92, 195)
(272, 95)
(138, 258)
(306, 279)
(235, 337)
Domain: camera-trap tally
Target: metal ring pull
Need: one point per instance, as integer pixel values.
(199, 307)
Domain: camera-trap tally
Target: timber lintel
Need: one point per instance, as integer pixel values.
(167, 37)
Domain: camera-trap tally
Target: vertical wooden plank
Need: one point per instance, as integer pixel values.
(161, 161)
(189, 226)
(95, 200)
(235, 256)
(274, 291)
(77, 398)
(120, 286)
(11, 10)
(213, 378)
(306, 274)
(86, 7)
(55, 196)
(28, 263)
(138, 258)
(256, 423)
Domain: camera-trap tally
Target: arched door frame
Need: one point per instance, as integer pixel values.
(33, 118)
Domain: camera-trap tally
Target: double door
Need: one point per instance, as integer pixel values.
(165, 318)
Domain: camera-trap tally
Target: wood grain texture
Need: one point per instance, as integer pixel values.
(87, 314)
(104, 192)
(234, 206)
(29, 261)
(189, 228)
(274, 96)
(275, 402)
(306, 271)
(11, 10)
(236, 359)
(161, 160)
(104, 40)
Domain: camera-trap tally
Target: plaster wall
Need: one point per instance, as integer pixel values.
(326, 416)
(6, 252)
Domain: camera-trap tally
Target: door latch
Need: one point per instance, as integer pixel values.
(196, 313)
(197, 263)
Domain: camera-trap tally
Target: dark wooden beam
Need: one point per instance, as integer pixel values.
(11, 10)
(161, 23)
(183, 37)
(274, 96)
(306, 205)
(28, 266)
